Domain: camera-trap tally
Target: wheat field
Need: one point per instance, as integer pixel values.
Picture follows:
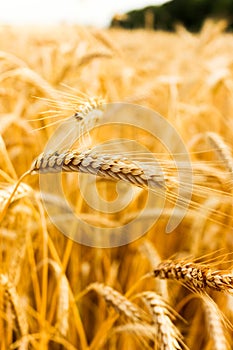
(160, 291)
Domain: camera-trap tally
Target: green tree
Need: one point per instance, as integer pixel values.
(191, 13)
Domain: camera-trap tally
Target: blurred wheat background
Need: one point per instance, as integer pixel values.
(58, 294)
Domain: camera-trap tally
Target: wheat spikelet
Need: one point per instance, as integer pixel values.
(120, 303)
(216, 324)
(167, 335)
(195, 276)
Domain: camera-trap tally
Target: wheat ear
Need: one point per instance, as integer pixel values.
(13, 298)
(23, 190)
(222, 149)
(120, 303)
(63, 302)
(216, 323)
(104, 165)
(195, 276)
(167, 335)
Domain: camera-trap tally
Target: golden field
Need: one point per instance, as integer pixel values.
(58, 294)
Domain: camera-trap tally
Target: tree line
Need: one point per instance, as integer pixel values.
(190, 13)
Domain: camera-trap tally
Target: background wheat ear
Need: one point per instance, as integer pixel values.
(12, 298)
(221, 149)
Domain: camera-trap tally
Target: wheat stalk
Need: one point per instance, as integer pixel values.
(195, 276)
(149, 250)
(140, 331)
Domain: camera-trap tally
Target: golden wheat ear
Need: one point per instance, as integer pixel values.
(195, 276)
(120, 303)
(167, 335)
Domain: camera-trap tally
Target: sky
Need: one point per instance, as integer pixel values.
(84, 12)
